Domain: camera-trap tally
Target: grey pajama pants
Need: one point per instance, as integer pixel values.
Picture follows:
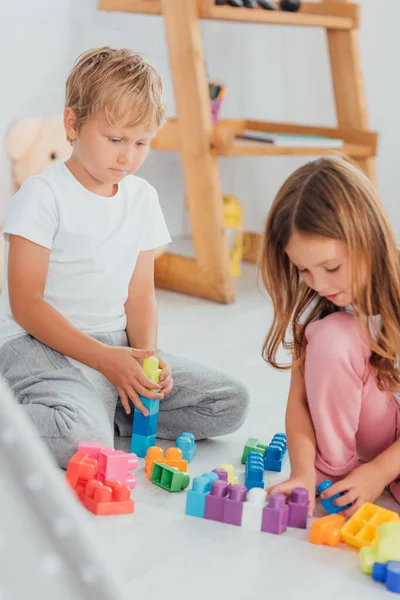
(68, 404)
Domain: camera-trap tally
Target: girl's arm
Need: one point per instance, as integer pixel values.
(301, 441)
(299, 428)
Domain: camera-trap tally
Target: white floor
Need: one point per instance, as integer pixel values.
(164, 554)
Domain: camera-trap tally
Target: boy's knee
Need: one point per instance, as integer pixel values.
(84, 430)
(238, 401)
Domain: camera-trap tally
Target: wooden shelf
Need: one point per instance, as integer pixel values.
(312, 14)
(223, 140)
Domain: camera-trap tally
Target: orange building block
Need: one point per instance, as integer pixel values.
(109, 498)
(327, 530)
(172, 458)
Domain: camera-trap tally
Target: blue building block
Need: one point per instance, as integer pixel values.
(144, 425)
(389, 574)
(276, 454)
(328, 503)
(185, 442)
(141, 443)
(254, 471)
(196, 496)
(153, 406)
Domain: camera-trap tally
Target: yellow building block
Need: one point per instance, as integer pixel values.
(387, 547)
(361, 529)
(230, 469)
(150, 367)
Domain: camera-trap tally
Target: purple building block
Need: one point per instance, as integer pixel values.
(275, 514)
(215, 500)
(233, 506)
(222, 474)
(298, 508)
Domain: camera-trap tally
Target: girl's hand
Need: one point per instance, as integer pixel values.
(120, 365)
(364, 484)
(166, 380)
(308, 481)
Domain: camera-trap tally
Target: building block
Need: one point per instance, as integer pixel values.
(92, 449)
(233, 505)
(169, 478)
(140, 444)
(172, 458)
(386, 547)
(186, 443)
(326, 530)
(145, 425)
(215, 500)
(222, 474)
(230, 469)
(298, 505)
(254, 474)
(275, 514)
(328, 503)
(389, 574)
(80, 469)
(361, 529)
(253, 445)
(109, 498)
(117, 465)
(276, 454)
(196, 496)
(253, 509)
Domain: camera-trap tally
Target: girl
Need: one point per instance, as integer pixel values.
(331, 267)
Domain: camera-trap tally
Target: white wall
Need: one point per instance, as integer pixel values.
(273, 73)
(34, 43)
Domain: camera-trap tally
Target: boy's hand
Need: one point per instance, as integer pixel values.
(308, 481)
(120, 365)
(166, 380)
(364, 484)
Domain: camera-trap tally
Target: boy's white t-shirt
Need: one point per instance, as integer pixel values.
(94, 244)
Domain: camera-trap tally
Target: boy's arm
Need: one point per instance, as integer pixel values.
(141, 305)
(142, 315)
(27, 272)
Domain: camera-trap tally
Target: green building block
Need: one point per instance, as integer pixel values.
(169, 478)
(252, 445)
(387, 547)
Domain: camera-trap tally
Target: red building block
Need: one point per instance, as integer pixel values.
(109, 498)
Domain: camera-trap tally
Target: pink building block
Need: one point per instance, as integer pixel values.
(92, 449)
(113, 464)
(117, 465)
(275, 514)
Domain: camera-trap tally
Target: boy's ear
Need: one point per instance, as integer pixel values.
(70, 123)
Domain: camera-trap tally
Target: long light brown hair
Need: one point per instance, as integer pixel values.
(331, 197)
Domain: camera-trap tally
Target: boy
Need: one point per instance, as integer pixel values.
(78, 305)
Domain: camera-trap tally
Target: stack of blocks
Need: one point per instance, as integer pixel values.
(101, 478)
(212, 497)
(145, 428)
(273, 456)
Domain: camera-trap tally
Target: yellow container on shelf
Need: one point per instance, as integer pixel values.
(233, 219)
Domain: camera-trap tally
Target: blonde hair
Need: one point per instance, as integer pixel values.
(121, 83)
(331, 197)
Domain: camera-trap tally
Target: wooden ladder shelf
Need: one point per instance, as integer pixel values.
(192, 134)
